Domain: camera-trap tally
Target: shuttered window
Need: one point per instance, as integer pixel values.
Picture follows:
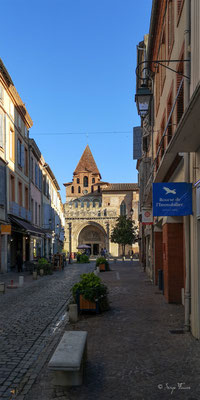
(170, 126)
(170, 26)
(179, 9)
(2, 185)
(180, 100)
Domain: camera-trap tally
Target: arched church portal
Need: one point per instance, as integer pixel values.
(93, 236)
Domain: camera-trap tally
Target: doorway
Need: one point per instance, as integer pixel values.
(95, 249)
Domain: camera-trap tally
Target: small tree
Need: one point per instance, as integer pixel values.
(125, 232)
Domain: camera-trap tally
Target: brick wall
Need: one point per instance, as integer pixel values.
(173, 265)
(158, 254)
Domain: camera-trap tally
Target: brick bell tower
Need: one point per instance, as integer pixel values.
(86, 177)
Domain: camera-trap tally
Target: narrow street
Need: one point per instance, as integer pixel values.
(31, 319)
(135, 350)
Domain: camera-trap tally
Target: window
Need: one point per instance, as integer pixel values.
(180, 100)
(36, 212)
(19, 122)
(78, 180)
(162, 140)
(82, 205)
(20, 153)
(40, 179)
(76, 204)
(26, 162)
(179, 9)
(163, 57)
(12, 109)
(170, 25)
(92, 189)
(25, 131)
(11, 144)
(105, 213)
(123, 208)
(72, 189)
(1, 131)
(79, 189)
(36, 174)
(39, 215)
(20, 193)
(26, 198)
(12, 188)
(31, 171)
(44, 185)
(1, 94)
(32, 207)
(93, 180)
(85, 181)
(99, 189)
(170, 125)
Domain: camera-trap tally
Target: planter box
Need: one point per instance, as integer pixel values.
(102, 267)
(86, 305)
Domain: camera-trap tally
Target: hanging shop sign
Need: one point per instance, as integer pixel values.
(172, 199)
(147, 216)
(5, 229)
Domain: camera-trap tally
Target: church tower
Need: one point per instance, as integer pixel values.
(86, 177)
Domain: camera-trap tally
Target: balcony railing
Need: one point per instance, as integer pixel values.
(19, 211)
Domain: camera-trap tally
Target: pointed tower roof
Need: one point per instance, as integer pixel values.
(87, 163)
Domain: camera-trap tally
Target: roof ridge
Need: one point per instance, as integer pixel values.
(87, 163)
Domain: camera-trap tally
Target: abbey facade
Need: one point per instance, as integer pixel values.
(93, 206)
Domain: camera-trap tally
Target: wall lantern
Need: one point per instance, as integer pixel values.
(143, 99)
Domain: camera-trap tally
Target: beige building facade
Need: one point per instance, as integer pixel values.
(93, 206)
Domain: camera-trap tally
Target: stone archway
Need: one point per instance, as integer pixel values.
(94, 236)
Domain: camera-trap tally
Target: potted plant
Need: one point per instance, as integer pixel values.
(90, 293)
(102, 263)
(83, 258)
(44, 267)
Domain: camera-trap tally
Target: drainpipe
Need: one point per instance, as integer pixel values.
(187, 226)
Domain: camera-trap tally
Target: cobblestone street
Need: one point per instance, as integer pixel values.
(132, 353)
(31, 320)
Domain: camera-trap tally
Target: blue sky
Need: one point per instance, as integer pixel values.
(73, 64)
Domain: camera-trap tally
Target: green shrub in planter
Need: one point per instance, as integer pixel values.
(92, 289)
(102, 260)
(83, 259)
(45, 265)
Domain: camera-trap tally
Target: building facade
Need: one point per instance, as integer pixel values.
(173, 59)
(22, 168)
(93, 206)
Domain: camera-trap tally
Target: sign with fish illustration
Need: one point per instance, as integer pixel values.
(172, 199)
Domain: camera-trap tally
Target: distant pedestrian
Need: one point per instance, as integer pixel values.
(19, 261)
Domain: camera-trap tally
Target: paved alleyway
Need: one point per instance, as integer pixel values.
(131, 353)
(31, 319)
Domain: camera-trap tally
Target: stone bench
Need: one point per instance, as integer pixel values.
(68, 359)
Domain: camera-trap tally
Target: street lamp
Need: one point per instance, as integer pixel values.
(143, 99)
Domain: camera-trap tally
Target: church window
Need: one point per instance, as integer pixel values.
(78, 180)
(72, 189)
(123, 208)
(79, 189)
(82, 204)
(105, 213)
(93, 203)
(92, 189)
(76, 204)
(85, 181)
(93, 180)
(98, 189)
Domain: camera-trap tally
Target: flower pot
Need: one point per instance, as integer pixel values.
(102, 267)
(87, 305)
(35, 275)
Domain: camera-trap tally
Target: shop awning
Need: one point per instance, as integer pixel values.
(28, 227)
